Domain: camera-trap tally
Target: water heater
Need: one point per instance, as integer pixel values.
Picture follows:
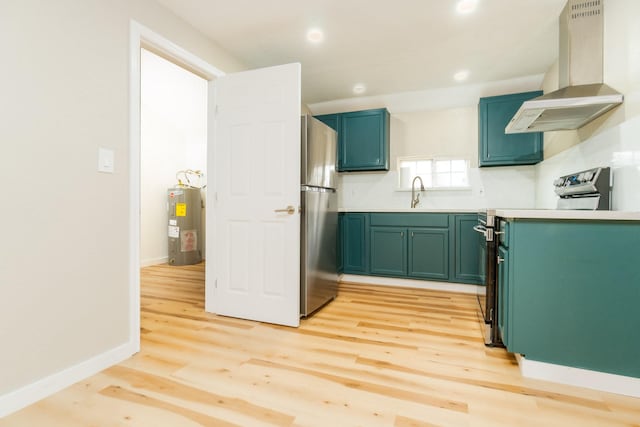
(185, 210)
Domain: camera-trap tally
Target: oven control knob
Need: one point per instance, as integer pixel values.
(588, 176)
(581, 178)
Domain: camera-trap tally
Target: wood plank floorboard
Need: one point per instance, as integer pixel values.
(375, 356)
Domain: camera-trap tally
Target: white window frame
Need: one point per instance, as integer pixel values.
(428, 183)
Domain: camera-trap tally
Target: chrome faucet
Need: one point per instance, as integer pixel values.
(415, 197)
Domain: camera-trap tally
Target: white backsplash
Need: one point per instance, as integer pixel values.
(511, 187)
(520, 187)
(617, 147)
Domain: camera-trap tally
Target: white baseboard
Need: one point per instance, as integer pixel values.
(154, 261)
(595, 380)
(411, 283)
(29, 394)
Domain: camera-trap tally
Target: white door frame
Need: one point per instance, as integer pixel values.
(141, 36)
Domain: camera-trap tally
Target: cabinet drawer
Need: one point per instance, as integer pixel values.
(410, 220)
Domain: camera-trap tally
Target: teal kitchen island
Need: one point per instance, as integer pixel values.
(569, 294)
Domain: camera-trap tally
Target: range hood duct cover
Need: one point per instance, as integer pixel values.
(583, 96)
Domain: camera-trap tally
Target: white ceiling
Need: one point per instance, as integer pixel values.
(389, 46)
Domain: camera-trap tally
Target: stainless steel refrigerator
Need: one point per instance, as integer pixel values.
(319, 219)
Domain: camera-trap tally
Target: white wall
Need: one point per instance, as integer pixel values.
(502, 187)
(617, 147)
(441, 122)
(64, 264)
(452, 132)
(173, 138)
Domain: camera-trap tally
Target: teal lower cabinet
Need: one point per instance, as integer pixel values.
(570, 293)
(339, 243)
(388, 251)
(421, 253)
(428, 246)
(470, 247)
(429, 253)
(355, 247)
(503, 292)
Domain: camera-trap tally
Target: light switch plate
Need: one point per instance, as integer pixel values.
(105, 160)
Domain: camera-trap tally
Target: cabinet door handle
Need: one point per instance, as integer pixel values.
(402, 234)
(500, 260)
(412, 234)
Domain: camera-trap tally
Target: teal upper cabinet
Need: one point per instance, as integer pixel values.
(330, 120)
(497, 148)
(363, 139)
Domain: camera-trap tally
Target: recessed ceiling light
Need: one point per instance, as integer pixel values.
(466, 6)
(359, 89)
(315, 35)
(461, 75)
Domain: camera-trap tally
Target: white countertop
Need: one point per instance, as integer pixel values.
(568, 214)
(415, 210)
(519, 213)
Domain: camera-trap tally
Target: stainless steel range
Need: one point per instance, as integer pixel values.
(585, 190)
(487, 295)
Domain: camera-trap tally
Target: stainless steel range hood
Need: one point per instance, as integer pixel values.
(583, 96)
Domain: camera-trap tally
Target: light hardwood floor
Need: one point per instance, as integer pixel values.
(376, 356)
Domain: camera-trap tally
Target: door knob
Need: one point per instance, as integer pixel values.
(289, 210)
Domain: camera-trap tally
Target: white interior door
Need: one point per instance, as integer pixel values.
(255, 157)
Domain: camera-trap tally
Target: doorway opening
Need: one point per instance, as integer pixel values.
(142, 37)
(173, 171)
(173, 153)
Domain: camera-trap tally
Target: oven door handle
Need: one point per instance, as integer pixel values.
(480, 229)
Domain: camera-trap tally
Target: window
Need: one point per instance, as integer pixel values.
(437, 173)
